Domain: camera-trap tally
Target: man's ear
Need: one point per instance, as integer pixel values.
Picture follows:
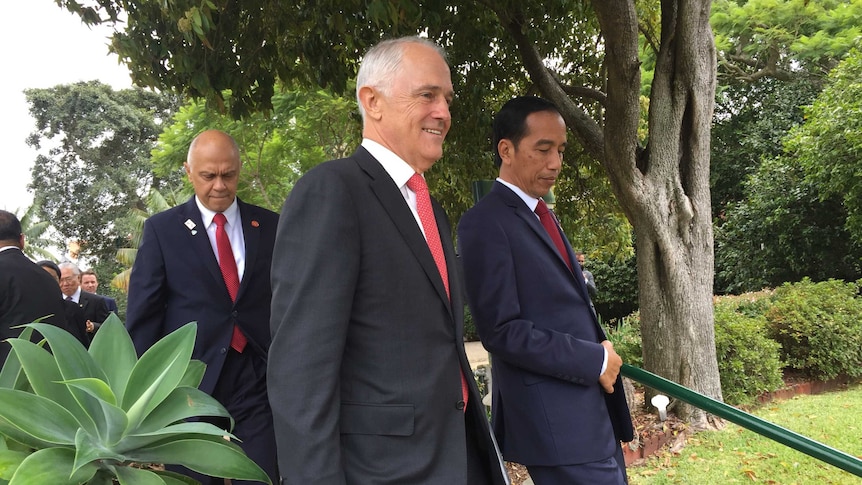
(370, 99)
(506, 150)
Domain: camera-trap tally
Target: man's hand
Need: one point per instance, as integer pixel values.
(615, 362)
(90, 326)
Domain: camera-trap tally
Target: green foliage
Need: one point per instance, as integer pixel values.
(783, 38)
(617, 282)
(93, 164)
(74, 416)
(782, 232)
(304, 128)
(819, 327)
(748, 360)
(750, 122)
(35, 232)
(829, 144)
(626, 337)
(470, 332)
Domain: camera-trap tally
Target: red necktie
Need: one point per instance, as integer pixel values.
(550, 224)
(230, 274)
(432, 237)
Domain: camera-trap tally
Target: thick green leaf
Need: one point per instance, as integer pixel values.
(194, 374)
(173, 478)
(9, 461)
(112, 349)
(74, 362)
(182, 403)
(35, 420)
(51, 466)
(158, 372)
(174, 432)
(44, 377)
(94, 387)
(90, 451)
(137, 476)
(116, 421)
(216, 457)
(11, 372)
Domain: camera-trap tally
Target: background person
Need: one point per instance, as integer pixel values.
(588, 275)
(27, 293)
(208, 261)
(558, 405)
(76, 323)
(95, 307)
(90, 283)
(368, 377)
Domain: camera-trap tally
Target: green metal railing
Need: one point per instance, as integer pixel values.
(772, 431)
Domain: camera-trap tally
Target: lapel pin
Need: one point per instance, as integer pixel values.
(255, 223)
(194, 232)
(190, 224)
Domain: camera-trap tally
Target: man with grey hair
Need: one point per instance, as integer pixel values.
(95, 307)
(368, 378)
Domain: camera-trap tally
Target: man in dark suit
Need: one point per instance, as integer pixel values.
(90, 283)
(76, 323)
(368, 377)
(208, 261)
(27, 293)
(558, 405)
(95, 307)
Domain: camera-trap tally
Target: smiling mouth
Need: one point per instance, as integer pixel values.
(433, 132)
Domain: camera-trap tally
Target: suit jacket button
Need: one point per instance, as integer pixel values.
(460, 405)
(223, 350)
(234, 313)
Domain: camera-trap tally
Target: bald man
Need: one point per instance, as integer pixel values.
(208, 261)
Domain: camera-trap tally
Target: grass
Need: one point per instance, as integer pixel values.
(737, 455)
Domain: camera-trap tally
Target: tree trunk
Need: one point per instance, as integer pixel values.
(664, 188)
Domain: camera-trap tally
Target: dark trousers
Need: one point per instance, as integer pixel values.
(478, 456)
(241, 389)
(611, 471)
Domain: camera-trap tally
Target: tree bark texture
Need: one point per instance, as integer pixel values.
(664, 187)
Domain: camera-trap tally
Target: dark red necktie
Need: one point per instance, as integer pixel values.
(432, 237)
(230, 274)
(550, 224)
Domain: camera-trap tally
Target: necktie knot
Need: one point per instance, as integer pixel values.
(416, 183)
(542, 208)
(220, 220)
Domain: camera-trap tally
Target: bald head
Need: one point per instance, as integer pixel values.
(213, 167)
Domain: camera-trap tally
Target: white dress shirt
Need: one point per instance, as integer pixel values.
(233, 228)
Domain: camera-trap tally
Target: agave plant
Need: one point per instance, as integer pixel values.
(102, 416)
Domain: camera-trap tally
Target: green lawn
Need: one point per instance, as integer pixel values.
(736, 455)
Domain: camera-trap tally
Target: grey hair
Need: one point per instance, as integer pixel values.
(381, 63)
(68, 264)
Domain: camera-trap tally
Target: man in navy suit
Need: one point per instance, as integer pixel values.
(558, 405)
(368, 376)
(90, 283)
(177, 278)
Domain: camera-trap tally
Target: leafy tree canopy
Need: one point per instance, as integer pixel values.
(304, 128)
(783, 39)
(93, 164)
(829, 144)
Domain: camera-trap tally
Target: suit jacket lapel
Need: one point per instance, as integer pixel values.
(393, 202)
(199, 240)
(251, 235)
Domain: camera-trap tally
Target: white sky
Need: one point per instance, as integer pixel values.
(45, 46)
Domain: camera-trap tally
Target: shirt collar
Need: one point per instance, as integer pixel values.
(531, 201)
(207, 215)
(394, 165)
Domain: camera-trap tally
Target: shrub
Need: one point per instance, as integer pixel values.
(819, 327)
(626, 337)
(748, 360)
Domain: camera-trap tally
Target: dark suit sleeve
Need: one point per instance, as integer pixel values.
(492, 283)
(314, 273)
(145, 311)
